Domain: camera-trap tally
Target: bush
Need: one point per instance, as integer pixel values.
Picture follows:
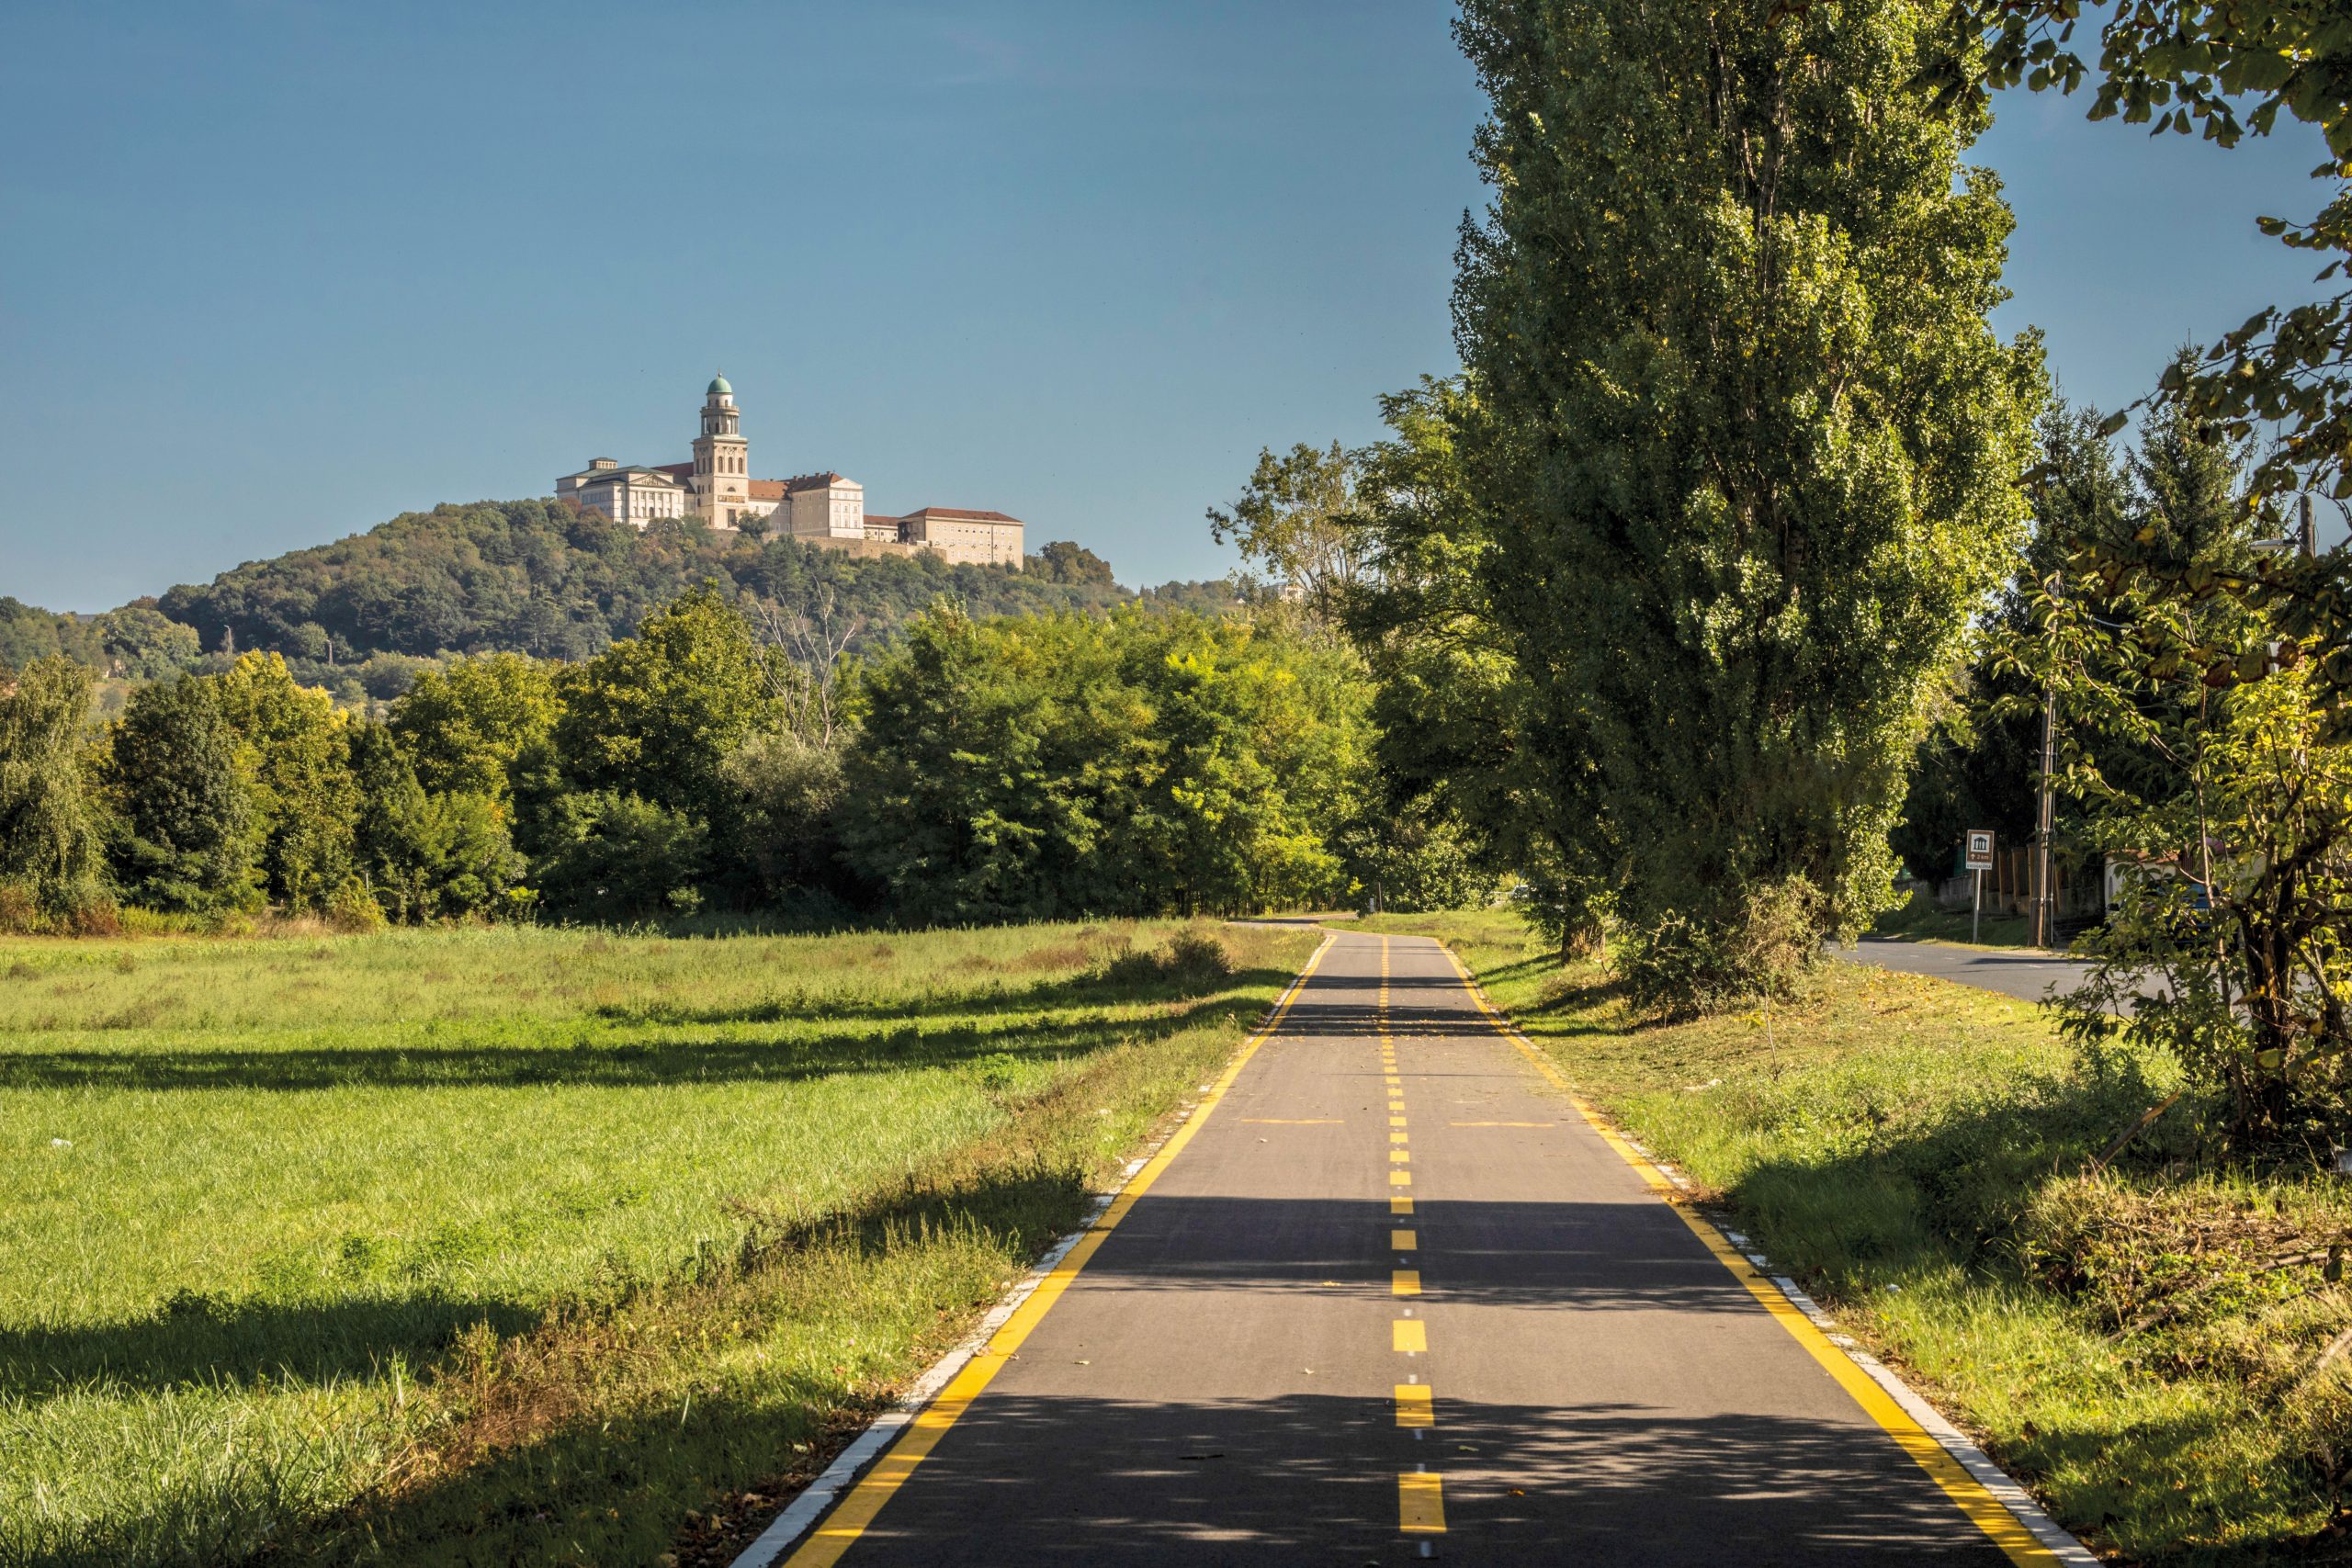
(352, 908)
(1682, 968)
(1193, 961)
(621, 857)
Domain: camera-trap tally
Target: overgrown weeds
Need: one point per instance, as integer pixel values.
(1190, 962)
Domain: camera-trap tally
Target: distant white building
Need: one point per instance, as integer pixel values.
(822, 509)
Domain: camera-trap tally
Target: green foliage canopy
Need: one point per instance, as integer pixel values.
(1748, 447)
(183, 808)
(49, 823)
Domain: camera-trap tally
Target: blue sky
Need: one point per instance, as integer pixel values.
(273, 271)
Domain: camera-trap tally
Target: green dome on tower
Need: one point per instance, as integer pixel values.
(718, 384)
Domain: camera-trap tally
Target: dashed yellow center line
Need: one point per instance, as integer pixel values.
(1400, 1206)
(1400, 1178)
(1396, 1120)
(1415, 1404)
(1395, 1138)
(1420, 1504)
(1402, 1241)
(1400, 1157)
(1408, 1335)
(1404, 1282)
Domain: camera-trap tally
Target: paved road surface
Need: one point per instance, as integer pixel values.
(2016, 974)
(1395, 1298)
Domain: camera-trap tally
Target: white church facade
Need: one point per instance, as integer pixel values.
(820, 509)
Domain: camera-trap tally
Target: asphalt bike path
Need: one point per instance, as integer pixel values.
(1387, 1296)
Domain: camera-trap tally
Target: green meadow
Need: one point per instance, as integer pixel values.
(523, 1245)
(2145, 1344)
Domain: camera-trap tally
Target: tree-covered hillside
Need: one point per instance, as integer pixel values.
(362, 614)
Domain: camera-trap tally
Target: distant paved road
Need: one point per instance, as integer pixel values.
(2026, 975)
(1397, 1299)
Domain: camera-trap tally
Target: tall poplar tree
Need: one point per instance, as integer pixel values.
(1756, 451)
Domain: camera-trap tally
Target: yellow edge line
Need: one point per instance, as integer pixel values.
(1984, 1510)
(855, 1512)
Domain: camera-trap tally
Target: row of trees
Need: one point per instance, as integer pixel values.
(975, 769)
(537, 578)
(363, 615)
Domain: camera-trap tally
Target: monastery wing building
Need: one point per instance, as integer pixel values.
(820, 509)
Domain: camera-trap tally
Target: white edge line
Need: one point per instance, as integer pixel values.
(2054, 1538)
(818, 1495)
(2059, 1542)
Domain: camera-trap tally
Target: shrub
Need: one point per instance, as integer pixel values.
(1191, 961)
(1682, 967)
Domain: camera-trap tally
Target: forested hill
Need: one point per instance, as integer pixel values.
(532, 576)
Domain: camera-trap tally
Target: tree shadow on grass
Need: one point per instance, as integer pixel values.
(199, 1340)
(882, 1043)
(204, 1341)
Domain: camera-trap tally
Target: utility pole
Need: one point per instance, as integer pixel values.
(2045, 889)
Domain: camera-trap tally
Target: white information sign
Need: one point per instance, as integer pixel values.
(1980, 849)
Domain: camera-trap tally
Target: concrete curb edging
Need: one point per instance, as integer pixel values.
(819, 1494)
(2005, 1488)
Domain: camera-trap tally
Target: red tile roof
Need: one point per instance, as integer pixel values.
(959, 513)
(768, 490)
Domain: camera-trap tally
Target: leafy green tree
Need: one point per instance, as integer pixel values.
(1062, 765)
(656, 716)
(1749, 447)
(2177, 65)
(427, 856)
(140, 643)
(1410, 864)
(1064, 560)
(1261, 758)
(49, 830)
(293, 751)
(1978, 765)
(2237, 819)
(28, 632)
(1290, 522)
(997, 763)
(474, 726)
(1466, 740)
(615, 857)
(786, 829)
(184, 835)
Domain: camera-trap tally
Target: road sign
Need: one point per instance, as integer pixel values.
(1980, 849)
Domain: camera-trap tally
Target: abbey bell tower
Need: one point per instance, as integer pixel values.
(722, 482)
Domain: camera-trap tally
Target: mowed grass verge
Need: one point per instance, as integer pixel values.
(524, 1245)
(2141, 1345)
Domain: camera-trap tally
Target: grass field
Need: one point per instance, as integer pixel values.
(2143, 1347)
(531, 1246)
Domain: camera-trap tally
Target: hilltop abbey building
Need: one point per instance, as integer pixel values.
(820, 509)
